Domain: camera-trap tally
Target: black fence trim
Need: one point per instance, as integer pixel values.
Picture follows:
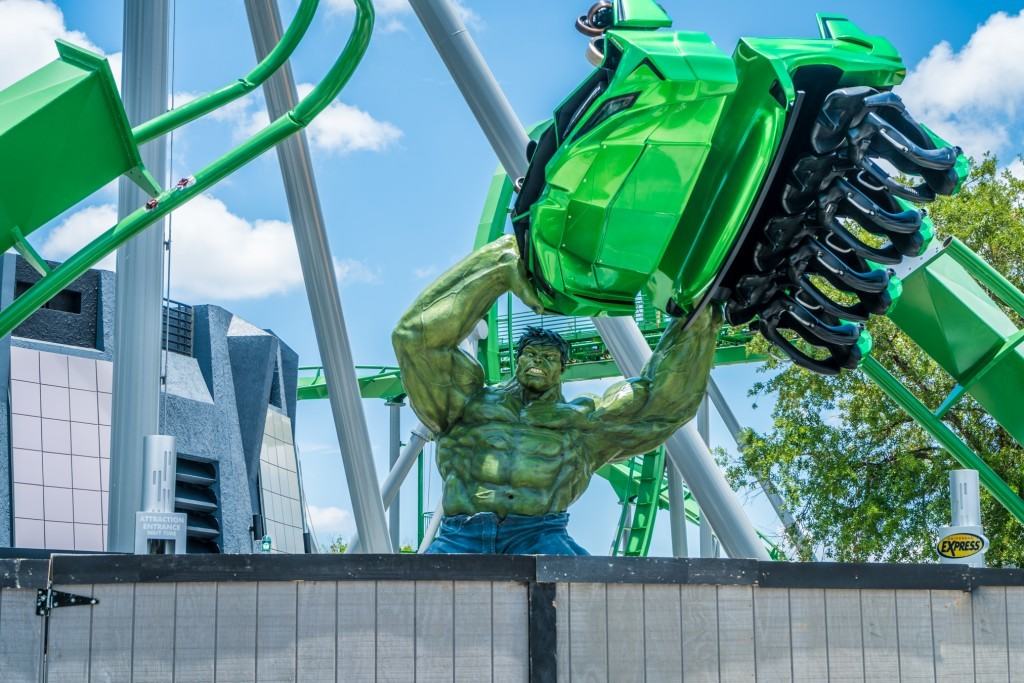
(85, 569)
(864, 575)
(543, 624)
(71, 569)
(24, 573)
(646, 570)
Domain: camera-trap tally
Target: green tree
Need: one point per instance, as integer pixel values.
(865, 481)
(338, 545)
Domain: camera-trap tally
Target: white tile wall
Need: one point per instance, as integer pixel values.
(24, 364)
(53, 369)
(56, 435)
(55, 402)
(60, 409)
(27, 466)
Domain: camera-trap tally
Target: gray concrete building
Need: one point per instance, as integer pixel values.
(228, 398)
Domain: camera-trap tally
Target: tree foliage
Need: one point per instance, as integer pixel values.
(865, 482)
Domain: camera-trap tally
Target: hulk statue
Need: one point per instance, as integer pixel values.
(514, 456)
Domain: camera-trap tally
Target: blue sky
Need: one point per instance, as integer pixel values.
(402, 169)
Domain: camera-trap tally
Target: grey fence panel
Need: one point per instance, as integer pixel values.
(736, 633)
(316, 631)
(110, 652)
(153, 637)
(235, 655)
(588, 632)
(773, 654)
(700, 633)
(562, 637)
(662, 632)
(626, 635)
(953, 635)
(435, 631)
(67, 656)
(845, 636)
(1015, 631)
(473, 638)
(991, 656)
(357, 631)
(195, 632)
(396, 631)
(510, 632)
(21, 636)
(914, 624)
(808, 634)
(879, 635)
(276, 630)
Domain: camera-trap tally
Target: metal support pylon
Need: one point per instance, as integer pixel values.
(322, 291)
(135, 409)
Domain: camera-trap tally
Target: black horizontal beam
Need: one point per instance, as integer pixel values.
(113, 568)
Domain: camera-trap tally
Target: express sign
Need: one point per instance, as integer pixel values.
(959, 545)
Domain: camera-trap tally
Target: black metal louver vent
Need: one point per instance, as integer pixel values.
(196, 495)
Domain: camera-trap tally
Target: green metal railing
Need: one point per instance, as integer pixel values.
(375, 381)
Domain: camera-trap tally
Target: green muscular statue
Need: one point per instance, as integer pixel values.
(514, 456)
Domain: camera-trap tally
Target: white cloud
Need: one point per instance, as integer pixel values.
(215, 253)
(389, 8)
(343, 128)
(424, 272)
(340, 128)
(79, 229)
(1016, 168)
(972, 96)
(27, 31)
(331, 522)
(350, 271)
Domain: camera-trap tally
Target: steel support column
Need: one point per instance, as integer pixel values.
(135, 412)
(677, 510)
(395, 445)
(796, 534)
(322, 291)
(389, 490)
(708, 541)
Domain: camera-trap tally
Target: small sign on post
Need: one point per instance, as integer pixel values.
(153, 529)
(266, 544)
(964, 541)
(159, 530)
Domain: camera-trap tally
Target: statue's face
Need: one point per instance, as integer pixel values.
(539, 367)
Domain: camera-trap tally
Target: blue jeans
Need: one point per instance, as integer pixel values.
(486, 533)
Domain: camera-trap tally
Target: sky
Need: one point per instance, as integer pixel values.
(402, 170)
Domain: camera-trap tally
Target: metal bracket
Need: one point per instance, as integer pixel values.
(48, 600)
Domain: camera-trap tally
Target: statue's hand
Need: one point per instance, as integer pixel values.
(521, 286)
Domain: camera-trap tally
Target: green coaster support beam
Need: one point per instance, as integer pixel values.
(945, 437)
(950, 307)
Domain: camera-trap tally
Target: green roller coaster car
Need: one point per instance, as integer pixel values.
(676, 170)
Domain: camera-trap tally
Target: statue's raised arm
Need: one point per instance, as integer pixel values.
(637, 414)
(439, 377)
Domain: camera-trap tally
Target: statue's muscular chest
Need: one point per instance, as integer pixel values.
(502, 441)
